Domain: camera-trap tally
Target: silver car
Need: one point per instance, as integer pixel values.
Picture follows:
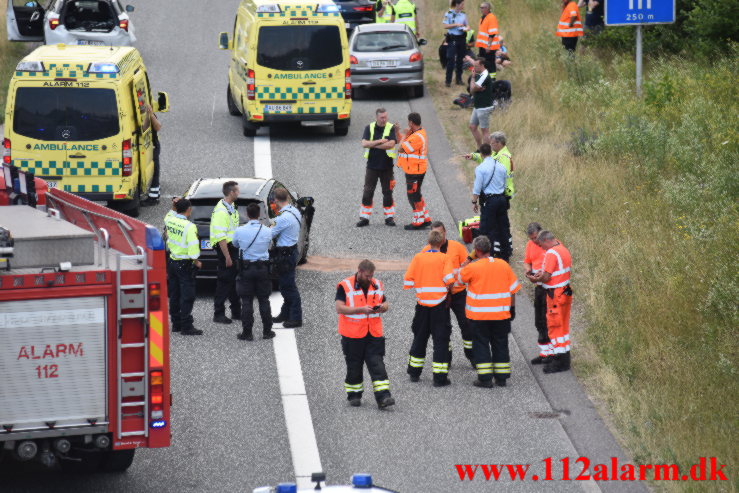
(386, 55)
(72, 22)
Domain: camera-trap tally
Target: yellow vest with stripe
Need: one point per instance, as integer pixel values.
(405, 13)
(386, 15)
(504, 157)
(182, 238)
(385, 134)
(222, 224)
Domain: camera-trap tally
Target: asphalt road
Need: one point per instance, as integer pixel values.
(229, 431)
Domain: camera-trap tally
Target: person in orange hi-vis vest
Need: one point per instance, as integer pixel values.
(488, 37)
(570, 25)
(532, 263)
(491, 307)
(360, 299)
(413, 160)
(457, 301)
(555, 279)
(430, 273)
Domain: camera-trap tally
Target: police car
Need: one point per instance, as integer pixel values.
(205, 194)
(361, 483)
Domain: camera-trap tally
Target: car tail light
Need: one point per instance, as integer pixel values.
(155, 293)
(127, 158)
(353, 60)
(250, 85)
(6, 151)
(156, 398)
(123, 24)
(416, 57)
(53, 24)
(348, 84)
(367, 8)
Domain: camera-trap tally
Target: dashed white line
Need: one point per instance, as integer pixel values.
(262, 156)
(213, 110)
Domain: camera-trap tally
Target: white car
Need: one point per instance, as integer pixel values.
(72, 22)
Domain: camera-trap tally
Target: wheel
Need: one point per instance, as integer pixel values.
(232, 108)
(117, 460)
(341, 127)
(418, 91)
(250, 129)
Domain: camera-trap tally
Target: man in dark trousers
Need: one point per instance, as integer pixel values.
(379, 141)
(253, 240)
(360, 299)
(286, 233)
(223, 222)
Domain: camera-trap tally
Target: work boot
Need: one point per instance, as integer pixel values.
(566, 360)
(486, 384)
(221, 319)
(500, 382)
(557, 364)
(540, 360)
(191, 332)
(385, 402)
(362, 223)
(268, 334)
(413, 227)
(355, 401)
(442, 383)
(246, 336)
(292, 324)
(278, 319)
(176, 328)
(459, 82)
(390, 222)
(415, 378)
(447, 84)
(150, 201)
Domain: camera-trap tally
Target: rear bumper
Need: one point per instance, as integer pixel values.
(296, 117)
(387, 77)
(116, 37)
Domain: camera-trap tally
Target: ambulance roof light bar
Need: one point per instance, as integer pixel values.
(327, 8)
(30, 67)
(103, 68)
(270, 8)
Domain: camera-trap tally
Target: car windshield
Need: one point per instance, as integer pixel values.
(65, 113)
(203, 208)
(299, 47)
(383, 41)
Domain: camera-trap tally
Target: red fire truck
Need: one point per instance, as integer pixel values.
(84, 338)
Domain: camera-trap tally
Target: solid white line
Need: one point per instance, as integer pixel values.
(262, 156)
(213, 111)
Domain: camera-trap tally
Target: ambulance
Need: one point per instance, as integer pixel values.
(290, 62)
(76, 117)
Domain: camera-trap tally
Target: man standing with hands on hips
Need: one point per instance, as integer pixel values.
(413, 160)
(223, 223)
(379, 141)
(286, 233)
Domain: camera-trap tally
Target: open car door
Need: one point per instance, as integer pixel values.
(145, 145)
(25, 20)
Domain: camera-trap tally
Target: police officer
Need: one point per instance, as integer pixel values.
(286, 233)
(384, 11)
(223, 223)
(503, 155)
(253, 240)
(488, 189)
(360, 299)
(184, 250)
(456, 25)
(491, 300)
(406, 13)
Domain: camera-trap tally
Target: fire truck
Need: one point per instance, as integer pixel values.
(84, 357)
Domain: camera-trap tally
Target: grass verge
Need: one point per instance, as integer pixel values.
(10, 55)
(644, 193)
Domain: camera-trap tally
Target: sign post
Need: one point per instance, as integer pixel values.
(639, 13)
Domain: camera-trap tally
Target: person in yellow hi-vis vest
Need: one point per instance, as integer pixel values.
(384, 12)
(184, 250)
(223, 223)
(379, 141)
(503, 156)
(406, 12)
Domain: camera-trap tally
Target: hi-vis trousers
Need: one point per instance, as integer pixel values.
(367, 350)
(430, 321)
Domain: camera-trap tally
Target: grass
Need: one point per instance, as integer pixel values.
(10, 55)
(644, 193)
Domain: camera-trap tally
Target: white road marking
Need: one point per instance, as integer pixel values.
(300, 433)
(213, 110)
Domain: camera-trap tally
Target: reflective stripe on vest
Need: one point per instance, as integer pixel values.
(385, 133)
(222, 224)
(563, 27)
(411, 162)
(359, 325)
(387, 14)
(561, 276)
(490, 289)
(180, 247)
(405, 13)
(504, 157)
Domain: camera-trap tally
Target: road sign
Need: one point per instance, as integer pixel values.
(639, 12)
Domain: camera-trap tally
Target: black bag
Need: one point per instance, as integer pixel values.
(280, 260)
(502, 91)
(442, 53)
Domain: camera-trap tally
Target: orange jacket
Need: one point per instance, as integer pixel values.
(563, 28)
(534, 256)
(413, 152)
(457, 254)
(429, 274)
(490, 287)
(357, 326)
(557, 262)
(487, 33)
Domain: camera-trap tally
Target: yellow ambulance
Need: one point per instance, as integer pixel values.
(290, 62)
(76, 117)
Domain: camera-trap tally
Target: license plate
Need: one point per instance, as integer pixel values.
(87, 42)
(383, 63)
(52, 184)
(205, 245)
(273, 108)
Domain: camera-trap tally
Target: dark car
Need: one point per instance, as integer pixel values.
(356, 12)
(205, 194)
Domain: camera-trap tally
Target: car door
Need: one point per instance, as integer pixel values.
(145, 145)
(25, 20)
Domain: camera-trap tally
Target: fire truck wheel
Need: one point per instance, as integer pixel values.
(117, 460)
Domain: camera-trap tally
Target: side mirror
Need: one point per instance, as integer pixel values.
(162, 102)
(129, 8)
(304, 202)
(223, 41)
(422, 42)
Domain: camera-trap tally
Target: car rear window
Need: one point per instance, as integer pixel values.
(203, 208)
(383, 41)
(299, 48)
(65, 113)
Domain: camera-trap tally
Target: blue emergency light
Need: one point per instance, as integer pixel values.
(103, 68)
(327, 8)
(154, 240)
(159, 423)
(362, 480)
(287, 488)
